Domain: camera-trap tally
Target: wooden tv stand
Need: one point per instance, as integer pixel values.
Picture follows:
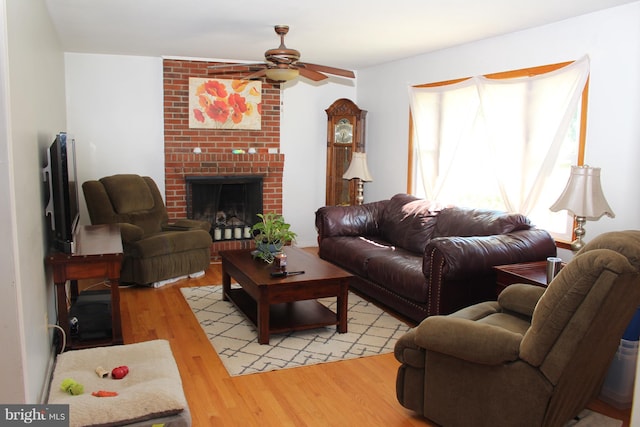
(98, 255)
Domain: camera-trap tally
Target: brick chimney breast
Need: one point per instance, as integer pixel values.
(216, 157)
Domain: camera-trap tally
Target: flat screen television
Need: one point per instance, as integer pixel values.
(63, 203)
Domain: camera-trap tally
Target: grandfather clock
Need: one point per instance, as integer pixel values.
(345, 135)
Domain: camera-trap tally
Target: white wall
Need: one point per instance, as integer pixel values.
(611, 38)
(33, 111)
(12, 367)
(303, 140)
(115, 112)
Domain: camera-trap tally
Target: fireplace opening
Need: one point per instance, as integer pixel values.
(229, 203)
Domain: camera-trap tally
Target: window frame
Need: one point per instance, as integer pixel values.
(523, 72)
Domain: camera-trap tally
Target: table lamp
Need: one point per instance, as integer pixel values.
(583, 197)
(358, 170)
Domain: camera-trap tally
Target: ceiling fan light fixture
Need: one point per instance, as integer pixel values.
(282, 74)
(282, 64)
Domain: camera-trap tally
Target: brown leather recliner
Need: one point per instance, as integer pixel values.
(154, 249)
(535, 357)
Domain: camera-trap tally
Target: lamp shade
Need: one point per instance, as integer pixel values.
(358, 168)
(583, 195)
(282, 74)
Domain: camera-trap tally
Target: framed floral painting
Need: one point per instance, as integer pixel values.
(224, 104)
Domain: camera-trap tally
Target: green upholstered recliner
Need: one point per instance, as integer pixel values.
(154, 249)
(532, 358)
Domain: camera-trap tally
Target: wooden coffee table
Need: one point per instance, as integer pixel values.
(278, 305)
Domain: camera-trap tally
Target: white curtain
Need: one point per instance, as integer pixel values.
(443, 117)
(526, 121)
(505, 133)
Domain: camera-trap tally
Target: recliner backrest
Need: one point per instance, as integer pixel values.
(600, 285)
(625, 242)
(579, 359)
(568, 308)
(128, 193)
(126, 198)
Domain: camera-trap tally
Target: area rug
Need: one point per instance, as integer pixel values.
(588, 418)
(371, 331)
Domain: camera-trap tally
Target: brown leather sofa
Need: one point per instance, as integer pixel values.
(154, 249)
(421, 260)
(534, 357)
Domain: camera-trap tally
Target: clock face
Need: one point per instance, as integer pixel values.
(343, 132)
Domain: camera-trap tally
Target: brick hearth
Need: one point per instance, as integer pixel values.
(216, 158)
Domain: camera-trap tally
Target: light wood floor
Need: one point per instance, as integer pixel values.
(359, 392)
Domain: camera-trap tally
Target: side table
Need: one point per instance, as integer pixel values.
(533, 273)
(98, 255)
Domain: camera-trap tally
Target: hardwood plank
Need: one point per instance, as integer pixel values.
(346, 393)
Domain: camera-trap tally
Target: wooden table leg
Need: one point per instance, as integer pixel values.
(116, 321)
(343, 306)
(226, 283)
(73, 291)
(263, 319)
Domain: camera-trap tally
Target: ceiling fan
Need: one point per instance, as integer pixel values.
(282, 64)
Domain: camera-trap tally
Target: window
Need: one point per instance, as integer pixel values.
(503, 141)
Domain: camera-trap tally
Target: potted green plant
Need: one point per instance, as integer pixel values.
(271, 233)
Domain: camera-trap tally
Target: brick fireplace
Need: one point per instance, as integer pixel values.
(229, 203)
(216, 158)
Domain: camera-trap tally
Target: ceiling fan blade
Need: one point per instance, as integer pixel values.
(326, 69)
(256, 75)
(311, 74)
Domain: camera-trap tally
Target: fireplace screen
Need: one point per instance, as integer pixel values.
(229, 203)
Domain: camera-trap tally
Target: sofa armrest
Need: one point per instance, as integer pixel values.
(359, 220)
(461, 257)
(468, 340)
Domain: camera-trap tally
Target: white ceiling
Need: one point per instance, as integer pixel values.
(352, 34)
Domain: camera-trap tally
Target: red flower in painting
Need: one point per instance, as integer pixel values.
(204, 101)
(237, 102)
(215, 88)
(218, 111)
(236, 116)
(198, 115)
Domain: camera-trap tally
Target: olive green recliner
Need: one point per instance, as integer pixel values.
(535, 357)
(154, 249)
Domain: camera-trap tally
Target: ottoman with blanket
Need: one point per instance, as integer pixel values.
(421, 259)
(150, 394)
